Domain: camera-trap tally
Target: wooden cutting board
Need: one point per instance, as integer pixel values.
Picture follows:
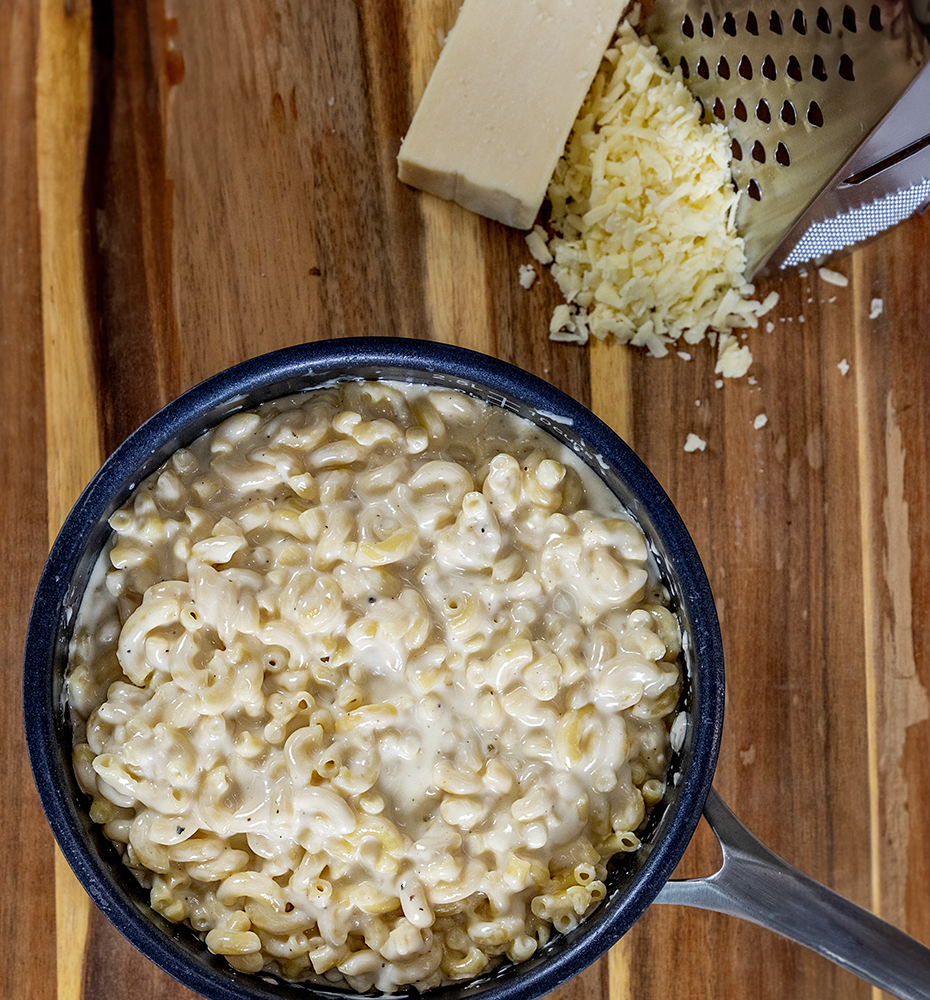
(188, 184)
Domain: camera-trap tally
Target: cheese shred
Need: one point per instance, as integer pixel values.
(644, 244)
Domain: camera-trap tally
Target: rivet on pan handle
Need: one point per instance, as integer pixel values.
(756, 885)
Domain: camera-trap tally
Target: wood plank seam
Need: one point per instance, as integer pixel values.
(73, 432)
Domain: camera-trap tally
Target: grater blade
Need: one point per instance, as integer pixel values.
(886, 180)
(800, 87)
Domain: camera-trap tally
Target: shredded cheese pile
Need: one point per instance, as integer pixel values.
(644, 245)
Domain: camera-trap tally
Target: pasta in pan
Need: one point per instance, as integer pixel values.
(370, 685)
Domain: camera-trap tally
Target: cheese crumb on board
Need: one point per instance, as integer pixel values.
(833, 277)
(501, 101)
(536, 241)
(733, 358)
(644, 244)
(843, 367)
(527, 275)
(694, 443)
(566, 324)
(876, 308)
(760, 421)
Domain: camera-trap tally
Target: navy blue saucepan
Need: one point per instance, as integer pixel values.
(752, 883)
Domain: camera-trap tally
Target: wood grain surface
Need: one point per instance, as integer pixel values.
(185, 184)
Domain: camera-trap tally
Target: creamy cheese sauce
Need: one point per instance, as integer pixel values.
(371, 683)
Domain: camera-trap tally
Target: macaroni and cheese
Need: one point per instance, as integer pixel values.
(370, 683)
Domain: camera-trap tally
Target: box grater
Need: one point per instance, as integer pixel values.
(828, 107)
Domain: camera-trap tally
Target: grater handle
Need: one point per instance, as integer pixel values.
(756, 885)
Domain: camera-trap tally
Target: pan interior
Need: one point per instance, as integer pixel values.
(633, 882)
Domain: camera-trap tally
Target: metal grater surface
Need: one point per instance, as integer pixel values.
(799, 86)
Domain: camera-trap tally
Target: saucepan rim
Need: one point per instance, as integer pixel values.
(280, 373)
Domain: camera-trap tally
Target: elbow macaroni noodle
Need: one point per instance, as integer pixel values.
(371, 684)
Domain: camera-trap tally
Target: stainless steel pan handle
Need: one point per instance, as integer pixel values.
(755, 884)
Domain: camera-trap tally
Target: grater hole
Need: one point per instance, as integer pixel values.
(823, 21)
(685, 68)
(702, 71)
(818, 69)
(849, 19)
(758, 152)
(739, 110)
(875, 18)
(752, 25)
(815, 115)
(729, 24)
(736, 150)
(754, 191)
(846, 68)
(799, 22)
(707, 26)
(775, 23)
(763, 112)
(794, 69)
(687, 26)
(745, 68)
(782, 155)
(723, 68)
(719, 110)
(788, 115)
(768, 68)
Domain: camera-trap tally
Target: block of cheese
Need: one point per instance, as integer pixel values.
(501, 102)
